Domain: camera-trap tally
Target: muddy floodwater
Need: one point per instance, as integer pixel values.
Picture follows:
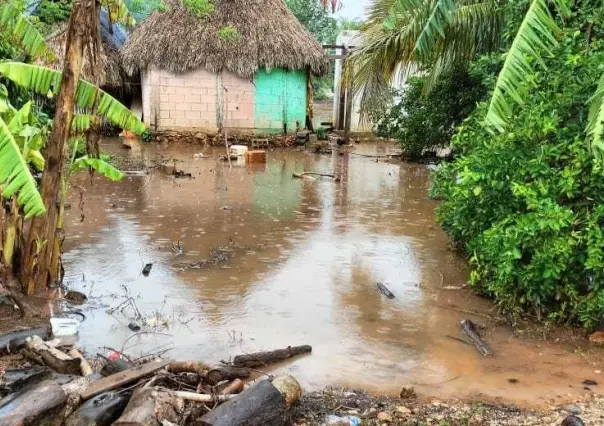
(248, 259)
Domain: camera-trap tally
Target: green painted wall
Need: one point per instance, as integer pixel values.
(280, 99)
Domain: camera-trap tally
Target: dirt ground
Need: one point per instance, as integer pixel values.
(380, 410)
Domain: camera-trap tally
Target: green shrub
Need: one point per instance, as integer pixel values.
(423, 122)
(528, 204)
(199, 8)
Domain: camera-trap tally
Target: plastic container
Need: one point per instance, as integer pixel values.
(238, 150)
(332, 420)
(64, 326)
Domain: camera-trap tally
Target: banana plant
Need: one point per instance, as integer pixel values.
(46, 81)
(13, 20)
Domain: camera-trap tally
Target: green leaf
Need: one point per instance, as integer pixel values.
(595, 126)
(435, 26)
(15, 174)
(26, 34)
(44, 80)
(535, 35)
(118, 12)
(35, 157)
(478, 190)
(81, 123)
(98, 165)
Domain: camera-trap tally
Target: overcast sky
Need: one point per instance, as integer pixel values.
(353, 9)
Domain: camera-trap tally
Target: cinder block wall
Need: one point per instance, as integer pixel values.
(203, 101)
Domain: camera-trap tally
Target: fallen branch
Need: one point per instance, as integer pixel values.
(259, 359)
(85, 367)
(374, 156)
(149, 406)
(198, 397)
(235, 387)
(188, 367)
(220, 374)
(469, 328)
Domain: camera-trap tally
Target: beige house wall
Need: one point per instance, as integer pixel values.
(197, 100)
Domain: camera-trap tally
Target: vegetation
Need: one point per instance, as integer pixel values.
(229, 33)
(199, 8)
(423, 122)
(23, 134)
(527, 203)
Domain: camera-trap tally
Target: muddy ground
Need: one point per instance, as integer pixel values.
(382, 410)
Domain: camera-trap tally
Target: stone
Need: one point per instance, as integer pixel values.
(403, 410)
(573, 409)
(597, 337)
(384, 417)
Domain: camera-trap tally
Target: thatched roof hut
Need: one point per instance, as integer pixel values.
(269, 36)
(110, 72)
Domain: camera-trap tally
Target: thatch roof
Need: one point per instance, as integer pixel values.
(269, 37)
(110, 72)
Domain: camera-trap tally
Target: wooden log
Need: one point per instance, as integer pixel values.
(289, 388)
(102, 410)
(149, 406)
(469, 328)
(220, 374)
(235, 387)
(260, 359)
(38, 406)
(12, 341)
(261, 404)
(16, 380)
(74, 390)
(197, 367)
(52, 357)
(85, 367)
(125, 377)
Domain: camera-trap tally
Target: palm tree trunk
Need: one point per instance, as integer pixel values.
(11, 233)
(37, 272)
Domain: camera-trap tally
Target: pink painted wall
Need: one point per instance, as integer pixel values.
(197, 100)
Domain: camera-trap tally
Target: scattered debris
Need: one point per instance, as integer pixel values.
(134, 326)
(101, 410)
(179, 174)
(589, 382)
(201, 156)
(385, 291)
(408, 393)
(147, 269)
(12, 341)
(468, 327)
(305, 174)
(64, 326)
(40, 352)
(76, 297)
(260, 359)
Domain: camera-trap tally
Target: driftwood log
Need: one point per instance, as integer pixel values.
(236, 386)
(85, 367)
(261, 405)
(39, 406)
(125, 377)
(260, 359)
(149, 406)
(13, 341)
(101, 410)
(188, 367)
(52, 357)
(469, 328)
(220, 374)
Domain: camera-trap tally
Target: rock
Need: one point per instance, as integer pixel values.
(573, 409)
(313, 139)
(403, 410)
(597, 337)
(76, 297)
(408, 393)
(572, 421)
(384, 417)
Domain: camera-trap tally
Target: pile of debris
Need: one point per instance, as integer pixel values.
(58, 385)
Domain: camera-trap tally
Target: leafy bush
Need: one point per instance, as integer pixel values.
(199, 8)
(50, 12)
(229, 33)
(528, 204)
(424, 122)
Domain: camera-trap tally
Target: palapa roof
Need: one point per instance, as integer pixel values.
(110, 72)
(270, 36)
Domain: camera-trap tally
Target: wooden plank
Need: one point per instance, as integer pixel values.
(120, 379)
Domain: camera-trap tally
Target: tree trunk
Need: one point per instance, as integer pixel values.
(37, 273)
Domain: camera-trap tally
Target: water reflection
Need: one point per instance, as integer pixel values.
(305, 257)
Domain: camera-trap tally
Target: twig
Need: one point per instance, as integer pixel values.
(141, 333)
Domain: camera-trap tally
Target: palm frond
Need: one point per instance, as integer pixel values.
(47, 81)
(434, 28)
(535, 35)
(15, 174)
(26, 34)
(98, 165)
(595, 126)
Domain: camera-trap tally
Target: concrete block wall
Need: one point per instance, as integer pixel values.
(203, 101)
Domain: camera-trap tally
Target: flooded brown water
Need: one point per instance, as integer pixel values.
(297, 263)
